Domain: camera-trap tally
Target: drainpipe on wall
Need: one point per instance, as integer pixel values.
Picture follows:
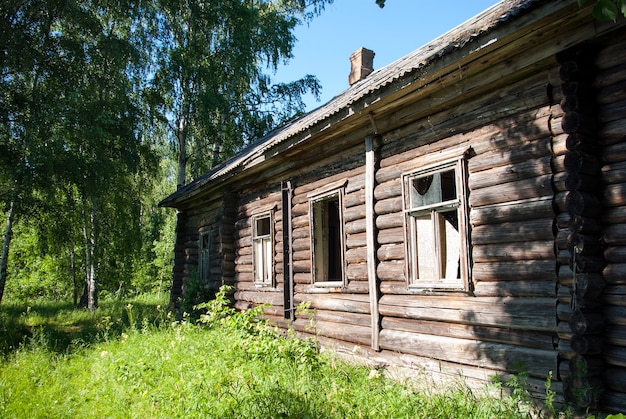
(370, 235)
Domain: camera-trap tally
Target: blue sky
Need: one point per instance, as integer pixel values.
(324, 46)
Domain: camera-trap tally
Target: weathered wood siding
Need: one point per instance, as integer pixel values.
(216, 217)
(610, 89)
(253, 202)
(508, 320)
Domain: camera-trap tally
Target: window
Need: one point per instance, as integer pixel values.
(204, 251)
(327, 239)
(436, 232)
(262, 249)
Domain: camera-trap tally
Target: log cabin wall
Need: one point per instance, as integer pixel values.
(505, 320)
(214, 219)
(610, 96)
(542, 156)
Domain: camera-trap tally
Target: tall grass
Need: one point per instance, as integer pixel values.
(132, 360)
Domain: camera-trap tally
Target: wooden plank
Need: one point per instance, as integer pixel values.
(355, 303)
(370, 184)
(510, 172)
(543, 270)
(488, 334)
(512, 211)
(517, 313)
(517, 251)
(537, 187)
(495, 356)
(539, 229)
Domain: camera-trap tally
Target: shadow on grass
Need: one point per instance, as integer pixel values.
(62, 328)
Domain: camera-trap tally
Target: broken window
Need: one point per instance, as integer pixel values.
(436, 236)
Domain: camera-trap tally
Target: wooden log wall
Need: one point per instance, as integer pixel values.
(253, 202)
(507, 319)
(216, 218)
(343, 312)
(580, 273)
(610, 95)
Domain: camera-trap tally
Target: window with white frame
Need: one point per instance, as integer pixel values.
(327, 239)
(204, 260)
(436, 227)
(263, 249)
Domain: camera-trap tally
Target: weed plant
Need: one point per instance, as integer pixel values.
(133, 360)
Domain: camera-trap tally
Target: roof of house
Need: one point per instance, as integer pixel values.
(395, 72)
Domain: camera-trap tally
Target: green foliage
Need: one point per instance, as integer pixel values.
(131, 359)
(607, 9)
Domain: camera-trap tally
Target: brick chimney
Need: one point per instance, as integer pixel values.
(362, 62)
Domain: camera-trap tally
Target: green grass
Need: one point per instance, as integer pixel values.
(131, 360)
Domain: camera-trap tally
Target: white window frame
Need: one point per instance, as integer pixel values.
(204, 256)
(263, 250)
(319, 264)
(436, 236)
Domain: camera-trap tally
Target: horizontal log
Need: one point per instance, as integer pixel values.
(359, 335)
(391, 235)
(532, 188)
(615, 379)
(512, 211)
(494, 356)
(615, 273)
(614, 235)
(389, 189)
(615, 254)
(389, 205)
(615, 315)
(392, 270)
(615, 172)
(518, 251)
(515, 271)
(354, 213)
(393, 251)
(509, 155)
(389, 221)
(614, 195)
(356, 255)
(509, 232)
(258, 297)
(615, 335)
(353, 303)
(615, 355)
(355, 227)
(356, 271)
(516, 313)
(354, 199)
(357, 319)
(510, 173)
(514, 289)
(461, 331)
(613, 152)
(356, 240)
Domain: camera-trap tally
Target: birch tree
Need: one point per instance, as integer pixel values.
(211, 85)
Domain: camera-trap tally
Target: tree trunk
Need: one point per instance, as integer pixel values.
(89, 298)
(73, 269)
(6, 242)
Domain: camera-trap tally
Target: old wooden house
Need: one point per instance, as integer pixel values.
(459, 211)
